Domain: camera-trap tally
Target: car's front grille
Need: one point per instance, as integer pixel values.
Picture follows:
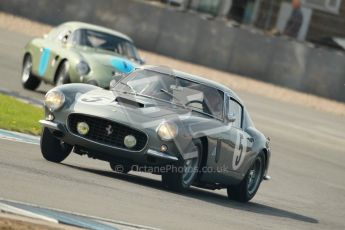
(107, 132)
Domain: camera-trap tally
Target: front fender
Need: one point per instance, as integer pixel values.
(32, 48)
(72, 92)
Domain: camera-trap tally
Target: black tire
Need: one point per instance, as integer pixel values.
(180, 180)
(53, 149)
(29, 81)
(119, 168)
(62, 74)
(247, 189)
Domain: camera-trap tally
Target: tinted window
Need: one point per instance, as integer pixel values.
(235, 110)
(105, 41)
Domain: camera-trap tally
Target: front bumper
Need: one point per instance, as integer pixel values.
(146, 156)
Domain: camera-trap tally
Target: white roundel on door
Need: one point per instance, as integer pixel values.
(240, 150)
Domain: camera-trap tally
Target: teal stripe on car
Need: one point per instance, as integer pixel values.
(122, 65)
(42, 68)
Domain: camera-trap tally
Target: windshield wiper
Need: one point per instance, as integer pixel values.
(173, 96)
(198, 111)
(135, 93)
(151, 97)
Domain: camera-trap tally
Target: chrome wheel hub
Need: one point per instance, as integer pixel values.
(59, 81)
(254, 176)
(251, 176)
(190, 168)
(26, 71)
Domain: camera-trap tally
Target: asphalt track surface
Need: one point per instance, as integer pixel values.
(307, 190)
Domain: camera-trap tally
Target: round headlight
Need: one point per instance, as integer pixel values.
(54, 100)
(82, 68)
(83, 128)
(130, 141)
(167, 131)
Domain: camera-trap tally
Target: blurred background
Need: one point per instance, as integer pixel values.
(294, 44)
(321, 18)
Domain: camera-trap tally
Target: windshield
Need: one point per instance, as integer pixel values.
(105, 41)
(196, 96)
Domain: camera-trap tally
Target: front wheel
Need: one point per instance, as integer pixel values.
(247, 189)
(62, 76)
(181, 177)
(29, 81)
(53, 149)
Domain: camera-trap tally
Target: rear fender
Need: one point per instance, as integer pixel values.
(260, 145)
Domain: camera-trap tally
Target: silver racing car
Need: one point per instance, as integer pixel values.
(190, 130)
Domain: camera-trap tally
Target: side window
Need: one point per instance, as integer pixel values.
(235, 110)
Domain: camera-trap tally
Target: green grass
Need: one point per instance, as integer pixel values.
(19, 116)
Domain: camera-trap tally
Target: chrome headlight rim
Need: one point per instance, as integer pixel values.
(172, 132)
(54, 100)
(82, 68)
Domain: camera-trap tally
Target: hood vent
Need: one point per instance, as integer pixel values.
(128, 102)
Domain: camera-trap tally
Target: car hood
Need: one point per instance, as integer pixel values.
(140, 111)
(113, 60)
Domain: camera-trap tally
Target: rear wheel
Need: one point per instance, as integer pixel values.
(247, 189)
(53, 149)
(120, 168)
(182, 176)
(29, 81)
(62, 76)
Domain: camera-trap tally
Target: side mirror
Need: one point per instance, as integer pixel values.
(231, 117)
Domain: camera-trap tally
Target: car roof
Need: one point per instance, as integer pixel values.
(82, 25)
(191, 77)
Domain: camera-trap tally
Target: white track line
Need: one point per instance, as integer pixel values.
(116, 222)
(21, 212)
